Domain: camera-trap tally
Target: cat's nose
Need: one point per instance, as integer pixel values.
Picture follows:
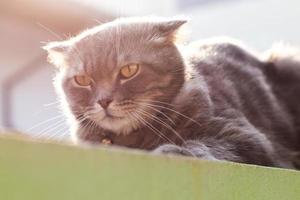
(104, 103)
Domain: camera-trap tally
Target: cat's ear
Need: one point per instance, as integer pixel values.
(57, 52)
(171, 30)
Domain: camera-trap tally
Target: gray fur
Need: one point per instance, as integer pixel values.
(211, 99)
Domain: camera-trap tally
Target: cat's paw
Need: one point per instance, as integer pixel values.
(189, 148)
(172, 149)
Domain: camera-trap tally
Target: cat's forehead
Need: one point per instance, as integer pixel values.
(128, 27)
(116, 37)
(98, 63)
(110, 47)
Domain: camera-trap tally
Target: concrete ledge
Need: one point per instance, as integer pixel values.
(42, 171)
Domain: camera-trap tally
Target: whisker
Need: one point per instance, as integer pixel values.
(172, 110)
(44, 122)
(155, 101)
(59, 133)
(86, 126)
(52, 104)
(49, 129)
(153, 117)
(49, 31)
(155, 130)
(139, 119)
(165, 115)
(99, 22)
(163, 136)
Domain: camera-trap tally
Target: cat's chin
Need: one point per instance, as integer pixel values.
(117, 125)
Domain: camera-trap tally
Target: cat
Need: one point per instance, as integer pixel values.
(130, 82)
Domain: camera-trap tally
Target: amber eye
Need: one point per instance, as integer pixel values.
(83, 80)
(130, 70)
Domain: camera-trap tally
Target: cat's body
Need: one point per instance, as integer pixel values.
(210, 99)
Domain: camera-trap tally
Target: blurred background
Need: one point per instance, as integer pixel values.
(28, 101)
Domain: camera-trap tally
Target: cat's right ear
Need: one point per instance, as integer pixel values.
(57, 52)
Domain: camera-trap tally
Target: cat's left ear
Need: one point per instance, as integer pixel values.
(57, 52)
(171, 30)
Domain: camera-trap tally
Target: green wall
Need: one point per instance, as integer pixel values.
(44, 171)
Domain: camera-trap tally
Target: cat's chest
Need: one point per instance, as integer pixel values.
(142, 138)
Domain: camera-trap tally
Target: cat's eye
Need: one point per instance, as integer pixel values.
(129, 70)
(83, 80)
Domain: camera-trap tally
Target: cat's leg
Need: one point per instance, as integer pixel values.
(220, 150)
(233, 142)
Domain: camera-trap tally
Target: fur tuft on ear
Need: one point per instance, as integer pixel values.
(57, 52)
(171, 30)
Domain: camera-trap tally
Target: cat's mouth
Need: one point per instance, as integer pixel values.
(109, 115)
(99, 114)
(117, 120)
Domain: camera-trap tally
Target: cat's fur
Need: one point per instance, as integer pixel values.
(210, 99)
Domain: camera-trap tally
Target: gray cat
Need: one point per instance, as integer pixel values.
(129, 83)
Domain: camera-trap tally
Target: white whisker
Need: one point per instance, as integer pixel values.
(165, 115)
(44, 122)
(155, 130)
(153, 117)
(172, 110)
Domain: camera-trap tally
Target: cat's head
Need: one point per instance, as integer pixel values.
(113, 74)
